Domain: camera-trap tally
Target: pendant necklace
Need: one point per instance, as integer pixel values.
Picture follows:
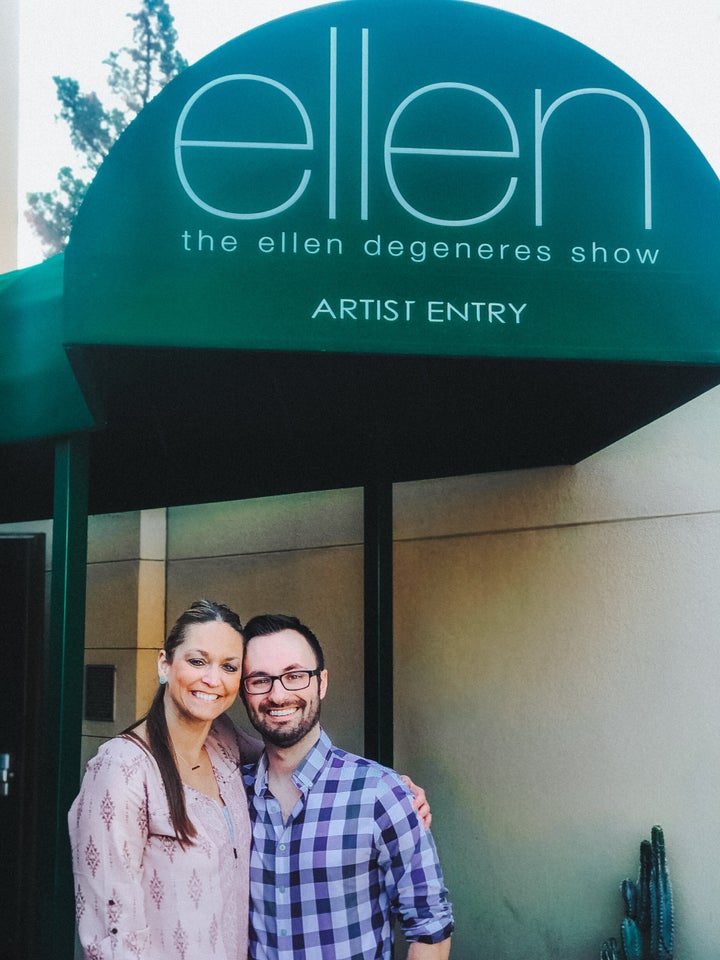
(186, 762)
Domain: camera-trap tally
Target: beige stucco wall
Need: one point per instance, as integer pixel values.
(9, 24)
(125, 614)
(556, 685)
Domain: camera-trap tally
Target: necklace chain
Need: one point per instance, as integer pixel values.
(187, 762)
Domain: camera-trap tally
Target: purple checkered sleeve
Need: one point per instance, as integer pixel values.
(352, 856)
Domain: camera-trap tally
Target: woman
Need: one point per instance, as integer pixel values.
(160, 832)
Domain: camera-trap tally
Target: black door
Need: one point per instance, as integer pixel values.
(22, 599)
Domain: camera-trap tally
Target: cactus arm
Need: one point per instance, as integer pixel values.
(643, 907)
(632, 940)
(661, 926)
(630, 896)
(609, 950)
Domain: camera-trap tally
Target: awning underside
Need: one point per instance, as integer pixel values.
(189, 426)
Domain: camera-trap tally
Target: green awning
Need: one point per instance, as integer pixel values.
(39, 395)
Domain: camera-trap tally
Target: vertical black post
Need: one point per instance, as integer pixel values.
(63, 688)
(379, 622)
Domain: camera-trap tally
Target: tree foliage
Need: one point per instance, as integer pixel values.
(136, 74)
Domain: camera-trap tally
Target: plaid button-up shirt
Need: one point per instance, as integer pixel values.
(326, 884)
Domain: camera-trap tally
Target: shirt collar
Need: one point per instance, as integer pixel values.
(313, 763)
(261, 774)
(307, 771)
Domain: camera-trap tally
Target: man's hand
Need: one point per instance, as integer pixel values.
(420, 803)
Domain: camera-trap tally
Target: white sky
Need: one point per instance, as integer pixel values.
(672, 48)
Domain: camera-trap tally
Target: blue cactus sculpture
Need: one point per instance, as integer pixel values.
(647, 930)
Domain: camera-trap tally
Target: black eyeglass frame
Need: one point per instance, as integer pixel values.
(260, 693)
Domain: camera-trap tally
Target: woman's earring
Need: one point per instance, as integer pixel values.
(163, 680)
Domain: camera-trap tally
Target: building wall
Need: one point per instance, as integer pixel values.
(9, 26)
(556, 685)
(125, 612)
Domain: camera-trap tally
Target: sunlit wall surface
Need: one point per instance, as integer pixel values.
(8, 144)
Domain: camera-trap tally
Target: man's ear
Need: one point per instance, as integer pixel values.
(323, 684)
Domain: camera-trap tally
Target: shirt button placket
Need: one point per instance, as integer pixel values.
(282, 899)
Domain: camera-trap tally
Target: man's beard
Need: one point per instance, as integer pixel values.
(286, 736)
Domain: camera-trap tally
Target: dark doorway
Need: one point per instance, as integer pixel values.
(22, 597)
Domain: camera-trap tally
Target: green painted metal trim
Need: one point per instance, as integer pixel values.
(379, 622)
(63, 683)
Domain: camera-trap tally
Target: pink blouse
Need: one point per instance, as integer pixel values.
(138, 894)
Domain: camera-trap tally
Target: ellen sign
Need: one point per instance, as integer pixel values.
(418, 178)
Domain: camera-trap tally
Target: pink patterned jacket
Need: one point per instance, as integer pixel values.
(138, 894)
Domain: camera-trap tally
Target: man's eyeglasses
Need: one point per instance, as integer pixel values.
(292, 680)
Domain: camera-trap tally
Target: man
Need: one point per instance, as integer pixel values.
(337, 850)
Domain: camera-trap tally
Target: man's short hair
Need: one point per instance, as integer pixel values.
(268, 623)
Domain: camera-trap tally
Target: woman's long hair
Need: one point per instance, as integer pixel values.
(201, 611)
